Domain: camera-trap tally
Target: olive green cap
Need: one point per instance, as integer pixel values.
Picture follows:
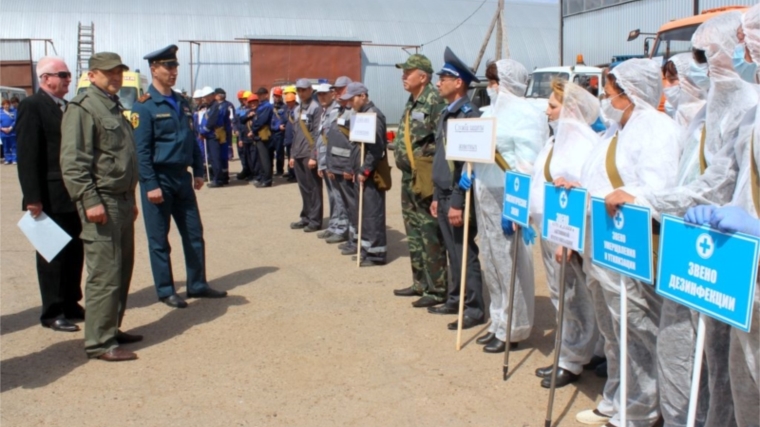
(106, 61)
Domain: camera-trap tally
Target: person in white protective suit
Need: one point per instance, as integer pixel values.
(644, 146)
(520, 133)
(571, 111)
(742, 216)
(681, 92)
(706, 174)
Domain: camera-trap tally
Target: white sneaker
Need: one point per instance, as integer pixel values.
(592, 417)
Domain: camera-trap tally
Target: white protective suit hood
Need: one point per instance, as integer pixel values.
(521, 130)
(751, 27)
(641, 80)
(572, 144)
(691, 98)
(729, 97)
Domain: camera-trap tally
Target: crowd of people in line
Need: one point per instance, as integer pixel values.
(697, 160)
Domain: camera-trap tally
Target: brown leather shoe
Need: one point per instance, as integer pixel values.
(125, 338)
(117, 354)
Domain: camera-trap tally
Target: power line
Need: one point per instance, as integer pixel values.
(459, 25)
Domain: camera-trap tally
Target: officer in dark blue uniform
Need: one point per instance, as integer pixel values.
(448, 198)
(165, 149)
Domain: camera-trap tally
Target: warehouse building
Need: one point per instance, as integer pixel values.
(251, 43)
(599, 29)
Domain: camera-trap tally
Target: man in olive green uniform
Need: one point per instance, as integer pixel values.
(99, 169)
(416, 135)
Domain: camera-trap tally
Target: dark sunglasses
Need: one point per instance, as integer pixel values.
(60, 74)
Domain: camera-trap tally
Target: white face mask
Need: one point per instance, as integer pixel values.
(493, 94)
(611, 113)
(553, 124)
(672, 94)
(698, 74)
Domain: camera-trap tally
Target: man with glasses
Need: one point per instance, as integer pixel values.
(38, 129)
(165, 149)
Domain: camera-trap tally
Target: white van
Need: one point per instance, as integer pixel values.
(540, 82)
(9, 92)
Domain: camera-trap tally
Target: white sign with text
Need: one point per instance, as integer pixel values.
(363, 128)
(471, 140)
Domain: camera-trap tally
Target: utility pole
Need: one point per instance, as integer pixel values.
(499, 23)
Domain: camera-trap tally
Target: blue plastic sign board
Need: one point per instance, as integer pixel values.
(622, 243)
(708, 271)
(565, 217)
(517, 198)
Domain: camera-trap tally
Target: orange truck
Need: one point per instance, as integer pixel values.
(675, 36)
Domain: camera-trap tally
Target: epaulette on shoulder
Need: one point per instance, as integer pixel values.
(145, 97)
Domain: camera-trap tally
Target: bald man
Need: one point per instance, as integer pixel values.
(38, 130)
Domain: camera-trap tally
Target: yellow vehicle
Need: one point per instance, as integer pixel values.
(134, 86)
(675, 36)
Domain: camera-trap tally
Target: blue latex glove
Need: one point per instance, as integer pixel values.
(699, 215)
(733, 219)
(465, 182)
(528, 235)
(506, 226)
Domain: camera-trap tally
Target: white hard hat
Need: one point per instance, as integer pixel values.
(206, 91)
(197, 94)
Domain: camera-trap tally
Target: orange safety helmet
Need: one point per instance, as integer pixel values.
(277, 91)
(251, 97)
(290, 97)
(241, 94)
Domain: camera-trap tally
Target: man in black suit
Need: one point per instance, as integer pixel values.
(38, 129)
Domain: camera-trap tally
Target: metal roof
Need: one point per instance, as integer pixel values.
(307, 38)
(141, 26)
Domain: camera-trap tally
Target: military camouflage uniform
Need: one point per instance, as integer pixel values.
(426, 249)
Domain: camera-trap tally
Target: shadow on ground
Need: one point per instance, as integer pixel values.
(147, 296)
(47, 366)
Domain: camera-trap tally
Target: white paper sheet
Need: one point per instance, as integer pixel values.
(363, 128)
(47, 237)
(471, 140)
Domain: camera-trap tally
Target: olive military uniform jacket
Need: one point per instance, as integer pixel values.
(423, 115)
(97, 149)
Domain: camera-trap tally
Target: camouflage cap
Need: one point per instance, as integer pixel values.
(418, 62)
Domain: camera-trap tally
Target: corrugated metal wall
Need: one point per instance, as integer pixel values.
(137, 27)
(600, 34)
(709, 4)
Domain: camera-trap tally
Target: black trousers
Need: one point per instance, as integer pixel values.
(278, 141)
(374, 243)
(266, 161)
(453, 238)
(248, 157)
(310, 186)
(61, 279)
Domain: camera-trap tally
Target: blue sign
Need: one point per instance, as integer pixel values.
(708, 271)
(565, 217)
(516, 198)
(622, 243)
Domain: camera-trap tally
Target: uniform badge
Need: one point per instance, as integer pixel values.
(466, 109)
(135, 120)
